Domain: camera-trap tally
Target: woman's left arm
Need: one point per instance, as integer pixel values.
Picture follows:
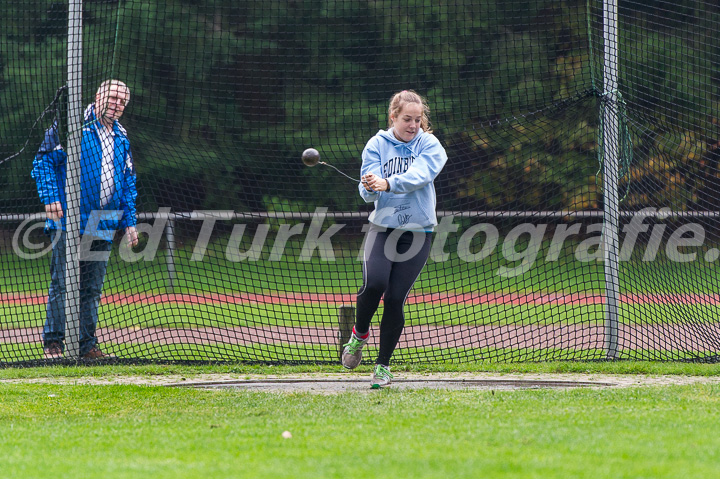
(430, 160)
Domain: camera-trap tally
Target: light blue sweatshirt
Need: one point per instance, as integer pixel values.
(410, 169)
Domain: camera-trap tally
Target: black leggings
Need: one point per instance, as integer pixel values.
(391, 273)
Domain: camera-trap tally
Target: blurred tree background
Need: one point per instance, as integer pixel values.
(227, 94)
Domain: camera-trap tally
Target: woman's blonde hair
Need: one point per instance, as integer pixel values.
(400, 99)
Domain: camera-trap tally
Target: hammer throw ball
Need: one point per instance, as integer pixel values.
(310, 157)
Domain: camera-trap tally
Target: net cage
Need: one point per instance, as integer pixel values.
(577, 211)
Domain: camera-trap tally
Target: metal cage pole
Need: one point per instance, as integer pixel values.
(611, 209)
(72, 181)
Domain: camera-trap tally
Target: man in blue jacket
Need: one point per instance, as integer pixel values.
(107, 203)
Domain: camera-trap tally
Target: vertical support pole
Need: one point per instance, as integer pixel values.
(346, 320)
(72, 181)
(611, 210)
(170, 254)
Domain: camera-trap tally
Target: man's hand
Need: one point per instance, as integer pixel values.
(54, 211)
(131, 235)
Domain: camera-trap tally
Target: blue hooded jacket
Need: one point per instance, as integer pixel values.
(410, 169)
(49, 171)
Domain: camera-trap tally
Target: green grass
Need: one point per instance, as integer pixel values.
(323, 315)
(18, 353)
(217, 274)
(139, 352)
(169, 315)
(155, 432)
(228, 353)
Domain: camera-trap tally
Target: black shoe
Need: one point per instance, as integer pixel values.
(95, 353)
(53, 351)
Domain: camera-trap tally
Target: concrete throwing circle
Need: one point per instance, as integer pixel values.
(335, 386)
(335, 383)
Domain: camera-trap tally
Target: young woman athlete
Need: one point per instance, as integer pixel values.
(399, 166)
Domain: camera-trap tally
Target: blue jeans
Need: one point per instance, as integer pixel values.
(92, 277)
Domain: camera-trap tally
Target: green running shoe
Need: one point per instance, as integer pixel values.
(381, 376)
(352, 354)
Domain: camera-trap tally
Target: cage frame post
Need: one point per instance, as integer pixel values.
(346, 321)
(72, 180)
(170, 254)
(611, 209)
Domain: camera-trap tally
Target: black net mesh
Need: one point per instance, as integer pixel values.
(564, 125)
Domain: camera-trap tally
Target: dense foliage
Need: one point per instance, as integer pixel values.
(226, 94)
